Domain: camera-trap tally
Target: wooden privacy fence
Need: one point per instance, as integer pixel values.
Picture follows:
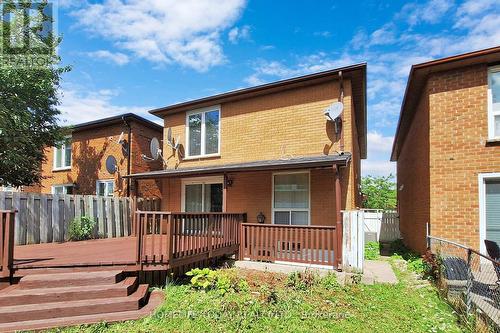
(183, 238)
(300, 244)
(385, 224)
(7, 218)
(45, 218)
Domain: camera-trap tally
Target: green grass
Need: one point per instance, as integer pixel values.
(283, 303)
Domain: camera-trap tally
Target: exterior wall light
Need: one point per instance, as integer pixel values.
(261, 218)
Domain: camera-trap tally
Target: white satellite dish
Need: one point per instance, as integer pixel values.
(120, 139)
(154, 148)
(169, 136)
(333, 111)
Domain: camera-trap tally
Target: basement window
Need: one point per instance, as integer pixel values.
(494, 103)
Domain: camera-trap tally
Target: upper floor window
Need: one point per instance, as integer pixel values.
(202, 132)
(494, 102)
(105, 188)
(62, 155)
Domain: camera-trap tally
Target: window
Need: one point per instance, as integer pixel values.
(202, 194)
(494, 103)
(62, 189)
(203, 132)
(62, 155)
(489, 208)
(291, 198)
(105, 188)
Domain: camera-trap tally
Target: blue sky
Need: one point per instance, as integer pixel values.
(135, 55)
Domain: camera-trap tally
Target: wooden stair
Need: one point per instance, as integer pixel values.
(64, 299)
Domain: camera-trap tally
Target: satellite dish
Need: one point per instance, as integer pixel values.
(120, 139)
(333, 111)
(177, 142)
(154, 148)
(111, 165)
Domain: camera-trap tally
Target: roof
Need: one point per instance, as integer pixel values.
(293, 163)
(418, 78)
(116, 120)
(357, 74)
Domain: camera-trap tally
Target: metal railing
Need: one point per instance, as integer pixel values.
(470, 282)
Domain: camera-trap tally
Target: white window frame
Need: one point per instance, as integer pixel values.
(106, 182)
(491, 112)
(202, 111)
(290, 209)
(483, 178)
(64, 186)
(63, 156)
(197, 181)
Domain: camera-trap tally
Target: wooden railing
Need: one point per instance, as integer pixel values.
(7, 218)
(183, 238)
(300, 244)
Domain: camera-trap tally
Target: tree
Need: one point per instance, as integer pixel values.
(379, 192)
(29, 82)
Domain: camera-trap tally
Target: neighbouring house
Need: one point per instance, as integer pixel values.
(96, 155)
(268, 151)
(447, 148)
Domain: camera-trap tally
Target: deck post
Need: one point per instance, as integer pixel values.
(170, 239)
(8, 242)
(241, 239)
(338, 216)
(224, 194)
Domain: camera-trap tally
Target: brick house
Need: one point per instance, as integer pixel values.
(268, 151)
(447, 148)
(83, 164)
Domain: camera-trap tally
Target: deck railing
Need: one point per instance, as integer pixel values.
(300, 244)
(7, 218)
(182, 238)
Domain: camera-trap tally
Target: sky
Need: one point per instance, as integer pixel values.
(136, 55)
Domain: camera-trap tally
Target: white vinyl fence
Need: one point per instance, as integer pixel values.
(385, 224)
(45, 218)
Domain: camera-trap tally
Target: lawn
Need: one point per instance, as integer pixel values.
(251, 301)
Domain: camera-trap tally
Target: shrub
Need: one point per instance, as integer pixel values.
(330, 282)
(81, 228)
(302, 281)
(223, 281)
(372, 250)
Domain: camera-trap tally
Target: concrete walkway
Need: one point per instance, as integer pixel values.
(375, 271)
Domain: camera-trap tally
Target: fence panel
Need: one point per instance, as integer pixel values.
(353, 242)
(45, 218)
(384, 223)
(470, 281)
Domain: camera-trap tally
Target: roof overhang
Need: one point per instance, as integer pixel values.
(119, 119)
(417, 80)
(266, 165)
(356, 73)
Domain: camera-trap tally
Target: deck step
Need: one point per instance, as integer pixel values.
(22, 296)
(17, 313)
(155, 300)
(56, 280)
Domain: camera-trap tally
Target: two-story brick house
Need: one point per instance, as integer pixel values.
(268, 150)
(96, 155)
(447, 149)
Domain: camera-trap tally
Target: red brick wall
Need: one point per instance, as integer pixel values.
(457, 153)
(413, 180)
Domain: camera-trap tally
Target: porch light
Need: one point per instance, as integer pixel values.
(261, 218)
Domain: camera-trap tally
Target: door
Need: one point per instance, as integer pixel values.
(492, 210)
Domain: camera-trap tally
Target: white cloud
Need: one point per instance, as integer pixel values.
(79, 107)
(117, 58)
(372, 167)
(379, 147)
(325, 34)
(164, 31)
(239, 33)
(429, 12)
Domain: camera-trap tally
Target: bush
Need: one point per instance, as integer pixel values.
(302, 281)
(223, 281)
(372, 250)
(81, 229)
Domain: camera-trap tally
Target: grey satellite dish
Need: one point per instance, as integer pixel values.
(333, 111)
(177, 142)
(154, 148)
(111, 165)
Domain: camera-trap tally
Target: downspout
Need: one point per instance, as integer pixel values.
(341, 99)
(129, 152)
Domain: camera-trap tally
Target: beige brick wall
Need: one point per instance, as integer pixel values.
(259, 128)
(458, 130)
